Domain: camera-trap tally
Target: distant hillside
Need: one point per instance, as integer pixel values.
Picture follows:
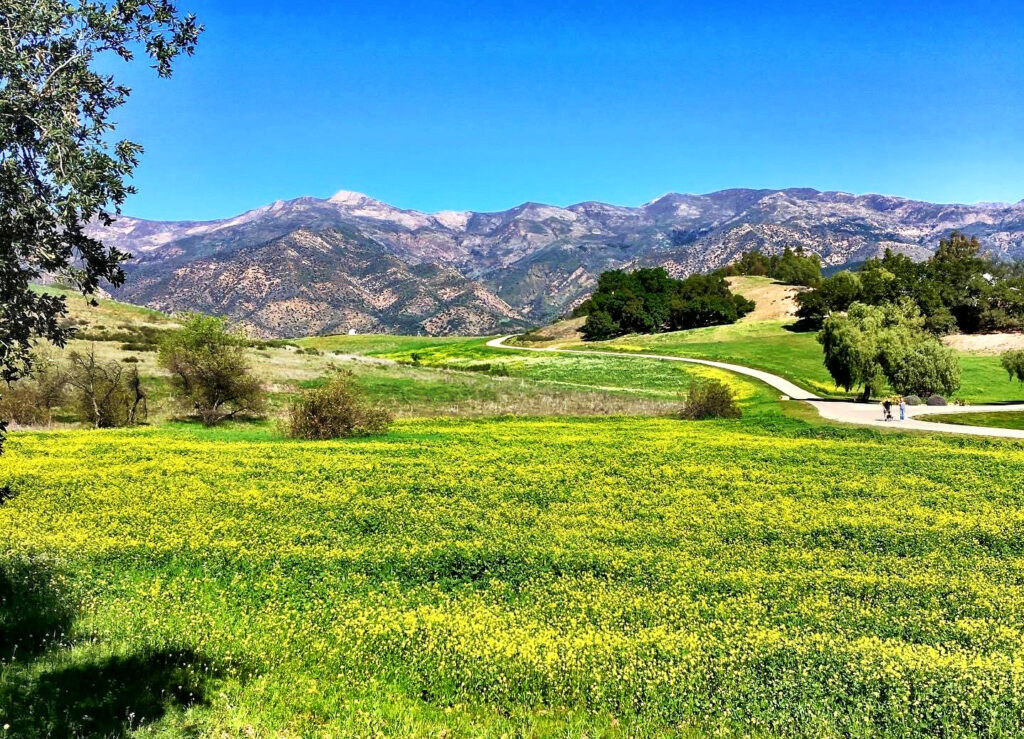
(310, 265)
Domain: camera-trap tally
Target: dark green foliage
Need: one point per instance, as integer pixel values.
(792, 266)
(210, 372)
(710, 399)
(957, 289)
(834, 294)
(335, 410)
(649, 301)
(60, 166)
(1013, 363)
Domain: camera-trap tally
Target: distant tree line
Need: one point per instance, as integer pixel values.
(957, 289)
(792, 266)
(650, 301)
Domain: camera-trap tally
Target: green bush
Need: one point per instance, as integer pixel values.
(335, 410)
(710, 399)
(210, 373)
(1013, 363)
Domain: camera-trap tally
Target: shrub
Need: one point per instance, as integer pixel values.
(209, 370)
(106, 394)
(912, 399)
(335, 410)
(936, 400)
(1013, 363)
(31, 400)
(710, 399)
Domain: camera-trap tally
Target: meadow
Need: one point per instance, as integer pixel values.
(544, 576)
(773, 346)
(536, 548)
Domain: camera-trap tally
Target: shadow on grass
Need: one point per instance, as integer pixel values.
(49, 689)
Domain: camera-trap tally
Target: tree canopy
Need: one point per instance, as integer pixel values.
(60, 166)
(956, 289)
(792, 266)
(872, 345)
(209, 370)
(649, 300)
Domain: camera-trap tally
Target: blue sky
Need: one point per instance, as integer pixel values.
(480, 106)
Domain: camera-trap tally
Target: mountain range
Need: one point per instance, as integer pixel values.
(350, 262)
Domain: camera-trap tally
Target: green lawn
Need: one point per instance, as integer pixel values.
(997, 419)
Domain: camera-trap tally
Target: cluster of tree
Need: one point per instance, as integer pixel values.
(792, 266)
(957, 289)
(102, 394)
(210, 378)
(872, 345)
(649, 301)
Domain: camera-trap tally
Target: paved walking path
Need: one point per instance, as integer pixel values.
(843, 411)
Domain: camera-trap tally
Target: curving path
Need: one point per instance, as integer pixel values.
(842, 411)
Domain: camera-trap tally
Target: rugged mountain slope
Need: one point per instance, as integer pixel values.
(525, 264)
(324, 282)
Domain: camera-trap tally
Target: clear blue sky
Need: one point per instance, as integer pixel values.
(482, 105)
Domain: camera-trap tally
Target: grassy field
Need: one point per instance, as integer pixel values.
(770, 346)
(1005, 419)
(536, 548)
(601, 577)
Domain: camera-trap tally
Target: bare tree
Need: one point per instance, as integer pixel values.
(107, 394)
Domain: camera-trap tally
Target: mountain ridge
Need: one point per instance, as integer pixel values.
(534, 261)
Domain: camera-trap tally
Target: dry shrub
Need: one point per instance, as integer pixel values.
(19, 403)
(31, 400)
(106, 394)
(335, 410)
(710, 399)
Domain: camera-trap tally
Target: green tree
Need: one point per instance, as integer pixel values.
(599, 325)
(956, 272)
(926, 368)
(210, 372)
(1013, 363)
(60, 167)
(875, 344)
(834, 294)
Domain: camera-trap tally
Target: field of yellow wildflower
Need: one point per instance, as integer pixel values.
(567, 577)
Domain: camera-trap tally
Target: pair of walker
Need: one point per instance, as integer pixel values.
(887, 409)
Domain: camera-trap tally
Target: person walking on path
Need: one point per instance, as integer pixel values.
(903, 408)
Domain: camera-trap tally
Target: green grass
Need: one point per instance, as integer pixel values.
(531, 577)
(767, 345)
(997, 419)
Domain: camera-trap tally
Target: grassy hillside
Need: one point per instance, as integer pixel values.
(771, 346)
(602, 577)
(412, 376)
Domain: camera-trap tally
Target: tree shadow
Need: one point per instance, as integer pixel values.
(46, 689)
(34, 612)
